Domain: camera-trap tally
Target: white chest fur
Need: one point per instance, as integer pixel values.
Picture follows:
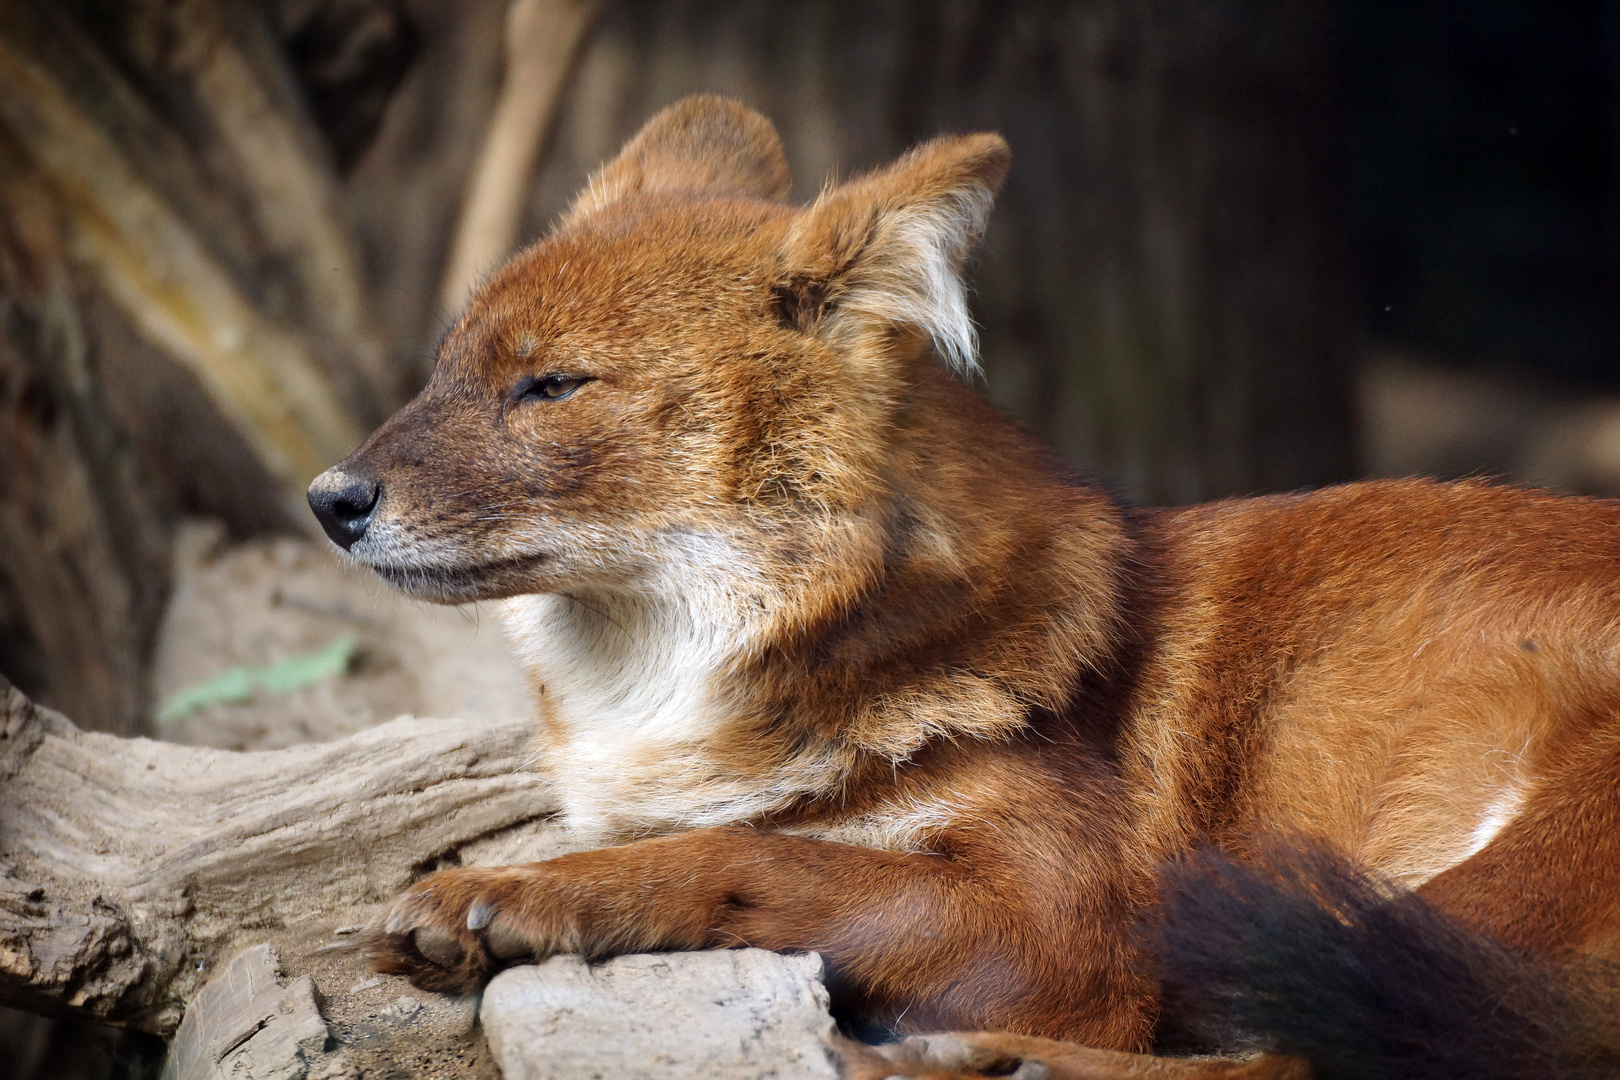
(633, 705)
(624, 668)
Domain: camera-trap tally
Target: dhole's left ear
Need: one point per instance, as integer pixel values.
(886, 250)
(701, 145)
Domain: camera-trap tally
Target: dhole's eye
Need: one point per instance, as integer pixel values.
(550, 387)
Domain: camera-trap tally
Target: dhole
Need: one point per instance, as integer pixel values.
(843, 661)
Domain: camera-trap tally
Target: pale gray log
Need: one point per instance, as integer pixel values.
(127, 866)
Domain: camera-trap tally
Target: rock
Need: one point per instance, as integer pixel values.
(402, 1010)
(734, 1014)
(245, 1025)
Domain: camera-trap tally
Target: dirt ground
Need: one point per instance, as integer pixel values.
(257, 603)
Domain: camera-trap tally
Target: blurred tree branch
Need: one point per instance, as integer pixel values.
(542, 38)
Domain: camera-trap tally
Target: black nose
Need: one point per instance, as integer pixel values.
(344, 504)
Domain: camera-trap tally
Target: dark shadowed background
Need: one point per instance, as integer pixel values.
(1245, 246)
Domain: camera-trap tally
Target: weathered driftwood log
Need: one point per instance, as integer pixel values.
(127, 867)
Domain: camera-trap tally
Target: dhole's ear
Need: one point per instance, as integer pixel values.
(704, 145)
(886, 250)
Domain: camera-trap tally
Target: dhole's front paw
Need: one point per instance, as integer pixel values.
(450, 931)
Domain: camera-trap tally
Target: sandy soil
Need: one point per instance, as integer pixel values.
(256, 603)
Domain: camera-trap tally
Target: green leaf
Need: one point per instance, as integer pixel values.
(237, 685)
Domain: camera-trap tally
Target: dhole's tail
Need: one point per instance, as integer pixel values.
(1300, 953)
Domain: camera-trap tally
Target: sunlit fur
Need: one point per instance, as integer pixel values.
(846, 662)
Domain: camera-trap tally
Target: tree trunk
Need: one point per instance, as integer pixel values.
(83, 573)
(184, 322)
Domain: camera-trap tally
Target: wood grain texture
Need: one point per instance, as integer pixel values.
(126, 865)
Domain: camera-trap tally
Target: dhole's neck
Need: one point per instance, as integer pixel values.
(637, 721)
(999, 587)
(975, 586)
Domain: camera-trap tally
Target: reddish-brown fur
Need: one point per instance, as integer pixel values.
(962, 705)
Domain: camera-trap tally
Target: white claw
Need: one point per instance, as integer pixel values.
(478, 915)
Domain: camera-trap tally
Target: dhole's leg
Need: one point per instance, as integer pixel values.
(987, 1053)
(1550, 880)
(919, 941)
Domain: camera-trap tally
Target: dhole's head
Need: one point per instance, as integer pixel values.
(687, 363)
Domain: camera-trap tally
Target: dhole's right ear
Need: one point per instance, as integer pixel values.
(884, 252)
(701, 145)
